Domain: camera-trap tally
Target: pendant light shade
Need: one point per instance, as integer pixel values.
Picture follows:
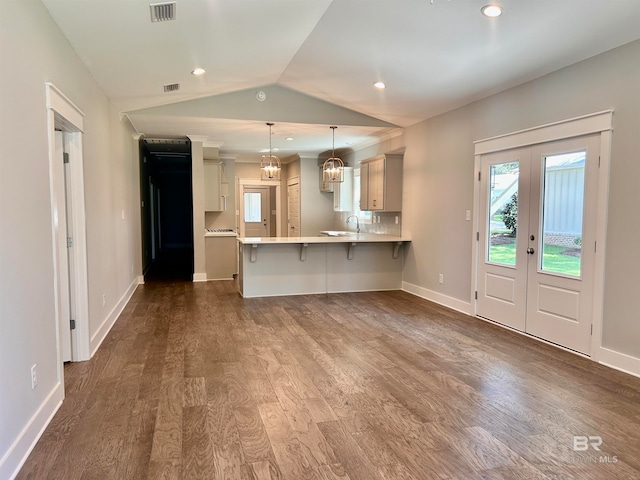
(270, 164)
(333, 168)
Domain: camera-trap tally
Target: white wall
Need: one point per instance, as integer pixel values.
(32, 52)
(438, 181)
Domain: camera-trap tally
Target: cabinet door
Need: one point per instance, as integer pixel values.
(212, 188)
(364, 186)
(376, 184)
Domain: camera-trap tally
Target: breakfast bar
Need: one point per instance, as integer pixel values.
(271, 266)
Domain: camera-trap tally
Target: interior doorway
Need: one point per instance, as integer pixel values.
(259, 208)
(166, 209)
(65, 123)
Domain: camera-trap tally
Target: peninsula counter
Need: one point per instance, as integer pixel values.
(270, 266)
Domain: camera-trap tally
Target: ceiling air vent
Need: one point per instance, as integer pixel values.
(171, 87)
(161, 12)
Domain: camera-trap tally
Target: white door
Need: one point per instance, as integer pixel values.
(65, 243)
(256, 211)
(564, 178)
(293, 207)
(502, 269)
(539, 210)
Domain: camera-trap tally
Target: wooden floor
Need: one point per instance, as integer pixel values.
(195, 382)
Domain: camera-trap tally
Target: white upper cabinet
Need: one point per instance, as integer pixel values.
(381, 184)
(214, 201)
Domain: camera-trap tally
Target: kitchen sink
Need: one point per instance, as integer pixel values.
(335, 233)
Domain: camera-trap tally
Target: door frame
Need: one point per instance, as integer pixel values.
(256, 182)
(63, 115)
(595, 123)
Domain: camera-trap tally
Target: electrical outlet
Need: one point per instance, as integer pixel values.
(34, 377)
(468, 215)
(441, 278)
(397, 219)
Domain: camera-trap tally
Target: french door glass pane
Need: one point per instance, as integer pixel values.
(252, 207)
(562, 213)
(503, 213)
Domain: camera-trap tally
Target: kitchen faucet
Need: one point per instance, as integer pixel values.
(357, 222)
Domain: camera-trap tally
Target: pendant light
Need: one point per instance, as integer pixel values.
(333, 168)
(270, 164)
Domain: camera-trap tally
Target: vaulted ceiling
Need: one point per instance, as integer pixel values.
(316, 61)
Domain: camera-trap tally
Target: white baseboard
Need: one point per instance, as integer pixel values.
(19, 451)
(439, 298)
(105, 327)
(620, 361)
(140, 279)
(199, 277)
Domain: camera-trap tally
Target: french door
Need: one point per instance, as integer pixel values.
(536, 240)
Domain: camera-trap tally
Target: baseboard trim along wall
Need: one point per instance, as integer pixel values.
(619, 361)
(439, 298)
(199, 277)
(18, 453)
(108, 322)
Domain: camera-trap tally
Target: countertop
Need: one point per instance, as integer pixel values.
(355, 237)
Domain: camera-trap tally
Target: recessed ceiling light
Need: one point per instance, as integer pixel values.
(491, 11)
(379, 85)
(198, 71)
(289, 139)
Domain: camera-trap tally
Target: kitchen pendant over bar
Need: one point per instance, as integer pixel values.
(333, 168)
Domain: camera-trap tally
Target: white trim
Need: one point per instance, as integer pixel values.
(19, 451)
(439, 298)
(474, 234)
(58, 101)
(602, 207)
(592, 123)
(199, 277)
(110, 320)
(619, 361)
(140, 279)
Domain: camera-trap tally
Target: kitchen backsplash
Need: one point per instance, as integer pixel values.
(385, 223)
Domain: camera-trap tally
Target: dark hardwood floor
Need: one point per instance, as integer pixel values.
(194, 382)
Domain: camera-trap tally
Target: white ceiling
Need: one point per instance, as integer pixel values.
(434, 57)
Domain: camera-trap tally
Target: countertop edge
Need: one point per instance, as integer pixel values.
(357, 238)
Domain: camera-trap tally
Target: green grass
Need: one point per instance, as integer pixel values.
(553, 260)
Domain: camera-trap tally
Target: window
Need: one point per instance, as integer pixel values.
(363, 216)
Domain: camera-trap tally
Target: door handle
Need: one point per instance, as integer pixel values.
(530, 251)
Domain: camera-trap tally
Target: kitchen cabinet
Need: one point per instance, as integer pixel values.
(343, 192)
(381, 184)
(221, 256)
(214, 196)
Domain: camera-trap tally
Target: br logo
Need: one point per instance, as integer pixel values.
(582, 443)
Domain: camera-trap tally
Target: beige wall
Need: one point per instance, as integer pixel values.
(438, 186)
(32, 52)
